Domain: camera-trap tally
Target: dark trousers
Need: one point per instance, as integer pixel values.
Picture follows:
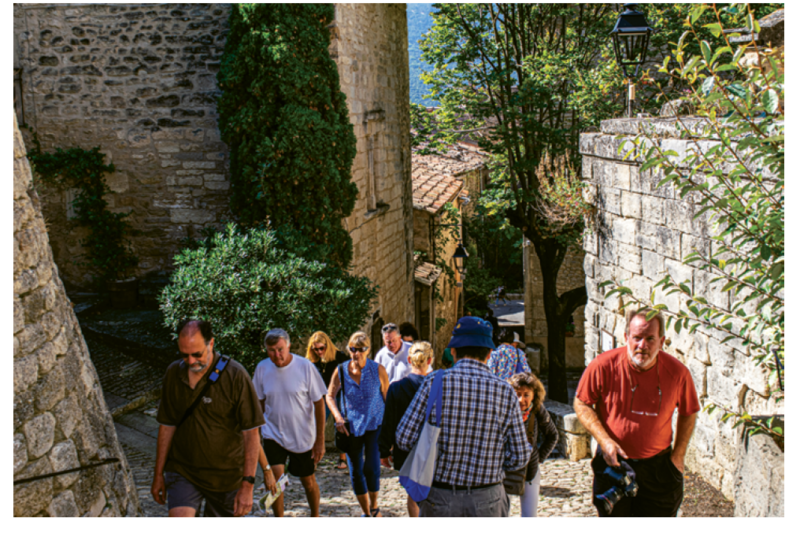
(364, 460)
(660, 487)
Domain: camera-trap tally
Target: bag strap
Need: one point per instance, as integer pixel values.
(221, 364)
(342, 372)
(435, 398)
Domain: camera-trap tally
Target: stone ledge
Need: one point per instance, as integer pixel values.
(574, 442)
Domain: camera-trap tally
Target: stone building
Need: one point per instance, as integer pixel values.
(570, 276)
(643, 232)
(139, 81)
(61, 420)
(441, 182)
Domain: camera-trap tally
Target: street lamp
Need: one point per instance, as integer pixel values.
(460, 257)
(461, 252)
(631, 36)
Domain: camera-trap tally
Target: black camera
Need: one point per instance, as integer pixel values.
(624, 485)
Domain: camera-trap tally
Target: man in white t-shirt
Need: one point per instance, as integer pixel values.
(292, 394)
(394, 355)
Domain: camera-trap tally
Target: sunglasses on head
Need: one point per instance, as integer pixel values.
(387, 329)
(353, 349)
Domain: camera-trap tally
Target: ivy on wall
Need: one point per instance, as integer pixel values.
(285, 119)
(108, 249)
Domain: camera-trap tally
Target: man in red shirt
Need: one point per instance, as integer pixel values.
(625, 399)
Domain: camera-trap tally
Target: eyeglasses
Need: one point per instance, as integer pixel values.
(353, 349)
(636, 386)
(320, 349)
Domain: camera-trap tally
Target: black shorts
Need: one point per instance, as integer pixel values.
(183, 493)
(300, 464)
(660, 487)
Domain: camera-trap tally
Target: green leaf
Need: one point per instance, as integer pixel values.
(776, 271)
(705, 49)
(769, 99)
(714, 28)
(708, 84)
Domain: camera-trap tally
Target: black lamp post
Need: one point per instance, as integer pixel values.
(631, 36)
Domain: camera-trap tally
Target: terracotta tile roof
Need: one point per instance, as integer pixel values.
(426, 273)
(434, 178)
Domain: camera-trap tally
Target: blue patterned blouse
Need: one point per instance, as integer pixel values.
(503, 361)
(365, 402)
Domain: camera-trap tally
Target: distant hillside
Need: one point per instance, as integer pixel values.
(419, 21)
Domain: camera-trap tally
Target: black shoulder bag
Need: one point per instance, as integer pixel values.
(215, 374)
(341, 440)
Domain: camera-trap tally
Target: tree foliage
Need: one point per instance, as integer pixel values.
(525, 80)
(734, 174)
(107, 245)
(247, 282)
(285, 119)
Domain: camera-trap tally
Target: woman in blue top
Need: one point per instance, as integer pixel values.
(365, 385)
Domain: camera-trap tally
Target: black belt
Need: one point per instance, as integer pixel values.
(447, 486)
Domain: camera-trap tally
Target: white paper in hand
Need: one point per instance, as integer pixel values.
(268, 499)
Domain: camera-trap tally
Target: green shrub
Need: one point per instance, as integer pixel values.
(285, 119)
(246, 282)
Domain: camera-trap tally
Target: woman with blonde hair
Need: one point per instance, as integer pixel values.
(364, 383)
(399, 397)
(323, 353)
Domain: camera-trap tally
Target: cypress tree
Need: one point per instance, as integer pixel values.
(285, 120)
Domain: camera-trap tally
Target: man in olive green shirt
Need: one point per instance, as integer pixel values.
(212, 455)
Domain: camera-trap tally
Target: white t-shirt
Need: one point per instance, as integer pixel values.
(396, 364)
(290, 393)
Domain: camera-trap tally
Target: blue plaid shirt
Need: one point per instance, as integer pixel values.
(482, 432)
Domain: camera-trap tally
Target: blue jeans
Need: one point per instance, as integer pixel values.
(364, 460)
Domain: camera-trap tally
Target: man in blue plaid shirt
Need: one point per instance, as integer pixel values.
(482, 433)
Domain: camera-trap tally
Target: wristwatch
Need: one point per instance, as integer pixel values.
(249, 479)
(268, 468)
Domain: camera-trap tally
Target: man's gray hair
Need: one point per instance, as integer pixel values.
(658, 317)
(274, 335)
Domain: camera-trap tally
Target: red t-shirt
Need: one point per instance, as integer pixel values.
(606, 383)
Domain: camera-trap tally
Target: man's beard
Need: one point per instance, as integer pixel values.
(644, 358)
(198, 367)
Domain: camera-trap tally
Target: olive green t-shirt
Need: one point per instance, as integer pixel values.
(208, 448)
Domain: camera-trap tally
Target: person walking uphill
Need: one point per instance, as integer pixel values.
(399, 397)
(364, 383)
(292, 393)
(531, 393)
(481, 436)
(210, 454)
(626, 399)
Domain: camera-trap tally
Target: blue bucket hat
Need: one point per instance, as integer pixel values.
(472, 331)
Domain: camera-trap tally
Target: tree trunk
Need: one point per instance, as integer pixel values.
(557, 310)
(557, 371)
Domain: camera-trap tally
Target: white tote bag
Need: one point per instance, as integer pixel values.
(416, 476)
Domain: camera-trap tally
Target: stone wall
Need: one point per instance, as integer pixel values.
(570, 276)
(60, 417)
(759, 477)
(369, 45)
(642, 233)
(140, 82)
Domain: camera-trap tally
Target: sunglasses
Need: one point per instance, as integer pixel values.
(353, 349)
(387, 329)
(320, 349)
